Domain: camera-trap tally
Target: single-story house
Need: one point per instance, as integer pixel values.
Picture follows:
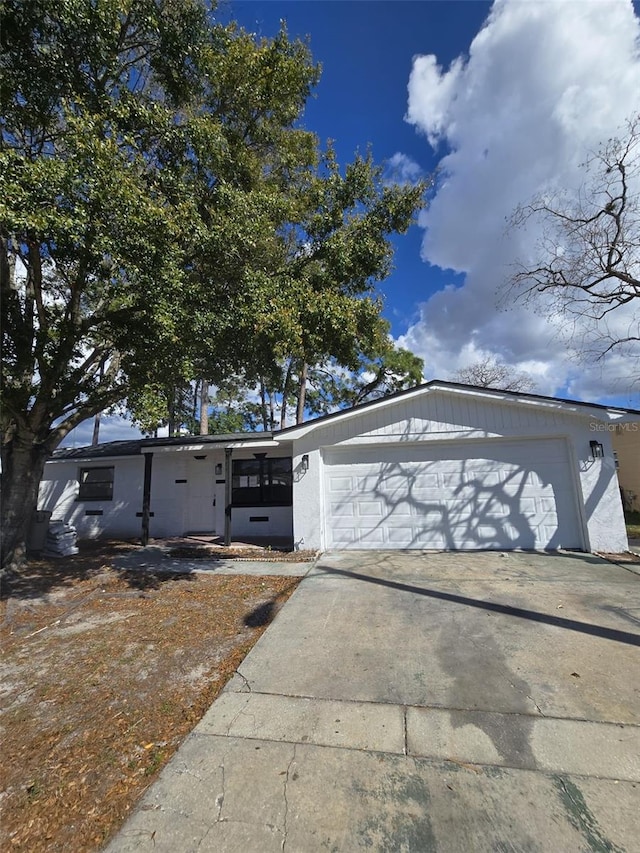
(439, 466)
(626, 447)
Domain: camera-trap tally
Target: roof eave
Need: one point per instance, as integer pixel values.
(595, 410)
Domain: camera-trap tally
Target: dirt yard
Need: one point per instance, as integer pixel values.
(103, 674)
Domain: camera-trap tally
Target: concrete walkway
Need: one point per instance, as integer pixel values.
(158, 559)
(408, 702)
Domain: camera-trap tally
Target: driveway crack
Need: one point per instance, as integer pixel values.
(235, 717)
(246, 682)
(285, 828)
(538, 708)
(507, 677)
(405, 749)
(221, 795)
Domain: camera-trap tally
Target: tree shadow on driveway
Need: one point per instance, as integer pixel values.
(505, 609)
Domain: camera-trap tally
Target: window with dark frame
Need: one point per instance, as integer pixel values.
(96, 484)
(262, 482)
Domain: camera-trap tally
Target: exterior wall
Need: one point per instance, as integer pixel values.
(59, 492)
(187, 496)
(626, 443)
(279, 523)
(446, 416)
(245, 523)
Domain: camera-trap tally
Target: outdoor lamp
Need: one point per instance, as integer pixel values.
(305, 463)
(597, 450)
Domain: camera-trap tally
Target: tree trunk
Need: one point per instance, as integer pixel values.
(272, 412)
(96, 420)
(302, 392)
(285, 394)
(196, 398)
(22, 468)
(204, 407)
(96, 430)
(263, 406)
(171, 421)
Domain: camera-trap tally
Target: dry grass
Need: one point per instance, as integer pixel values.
(104, 673)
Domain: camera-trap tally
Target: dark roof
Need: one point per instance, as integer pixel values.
(458, 385)
(109, 448)
(137, 446)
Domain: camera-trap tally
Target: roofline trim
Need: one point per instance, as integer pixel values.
(576, 406)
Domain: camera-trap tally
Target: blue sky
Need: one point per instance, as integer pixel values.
(508, 99)
(366, 49)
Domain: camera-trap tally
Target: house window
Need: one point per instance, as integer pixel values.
(96, 484)
(261, 482)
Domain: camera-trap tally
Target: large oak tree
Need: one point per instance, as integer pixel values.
(164, 218)
(144, 152)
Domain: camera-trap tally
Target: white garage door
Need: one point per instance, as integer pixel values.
(463, 495)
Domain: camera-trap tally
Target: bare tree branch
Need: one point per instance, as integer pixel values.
(492, 373)
(588, 255)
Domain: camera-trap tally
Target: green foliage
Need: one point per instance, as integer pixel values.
(243, 405)
(143, 179)
(632, 521)
(163, 217)
(323, 302)
(144, 155)
(394, 369)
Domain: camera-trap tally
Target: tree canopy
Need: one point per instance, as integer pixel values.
(164, 217)
(296, 390)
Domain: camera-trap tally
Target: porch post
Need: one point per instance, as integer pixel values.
(146, 498)
(227, 495)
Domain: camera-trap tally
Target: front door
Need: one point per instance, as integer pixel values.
(200, 516)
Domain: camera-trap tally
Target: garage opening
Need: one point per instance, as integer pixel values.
(452, 495)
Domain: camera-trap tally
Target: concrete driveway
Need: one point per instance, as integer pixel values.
(419, 702)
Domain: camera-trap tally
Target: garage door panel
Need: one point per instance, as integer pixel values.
(374, 536)
(340, 484)
(425, 497)
(373, 508)
(342, 509)
(426, 481)
(492, 494)
(546, 505)
(399, 536)
(344, 537)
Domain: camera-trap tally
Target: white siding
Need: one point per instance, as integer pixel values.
(249, 522)
(187, 496)
(59, 491)
(439, 416)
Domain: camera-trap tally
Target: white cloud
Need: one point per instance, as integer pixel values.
(401, 169)
(112, 428)
(545, 84)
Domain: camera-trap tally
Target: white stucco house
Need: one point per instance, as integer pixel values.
(440, 466)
